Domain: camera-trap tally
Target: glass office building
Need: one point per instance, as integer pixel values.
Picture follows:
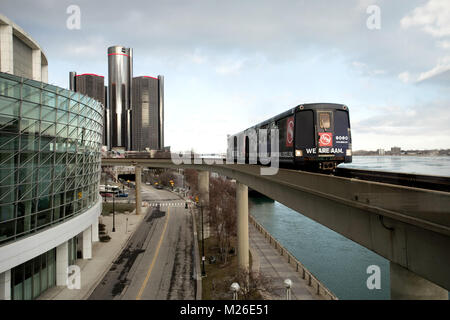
(50, 140)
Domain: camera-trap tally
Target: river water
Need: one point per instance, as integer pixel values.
(339, 263)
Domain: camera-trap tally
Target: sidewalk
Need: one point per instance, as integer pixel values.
(103, 256)
(272, 265)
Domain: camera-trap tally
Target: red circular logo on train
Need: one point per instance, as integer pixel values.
(289, 131)
(325, 139)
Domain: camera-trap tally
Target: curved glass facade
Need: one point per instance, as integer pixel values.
(50, 142)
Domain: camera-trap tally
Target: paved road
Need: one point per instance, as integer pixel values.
(158, 260)
(148, 193)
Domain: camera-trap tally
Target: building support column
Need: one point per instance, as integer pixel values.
(87, 243)
(203, 188)
(242, 225)
(36, 65)
(62, 263)
(406, 285)
(137, 178)
(6, 48)
(5, 285)
(94, 227)
(44, 73)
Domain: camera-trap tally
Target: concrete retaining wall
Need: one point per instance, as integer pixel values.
(312, 281)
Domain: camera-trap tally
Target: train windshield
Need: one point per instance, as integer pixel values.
(324, 120)
(341, 123)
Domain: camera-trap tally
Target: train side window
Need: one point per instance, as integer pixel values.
(281, 125)
(304, 129)
(263, 139)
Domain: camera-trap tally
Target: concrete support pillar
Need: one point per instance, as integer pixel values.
(44, 73)
(5, 285)
(36, 67)
(242, 224)
(94, 227)
(138, 173)
(87, 243)
(203, 188)
(406, 285)
(62, 263)
(6, 49)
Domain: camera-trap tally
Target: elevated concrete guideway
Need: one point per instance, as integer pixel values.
(408, 226)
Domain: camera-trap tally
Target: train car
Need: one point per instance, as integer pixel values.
(310, 136)
(151, 154)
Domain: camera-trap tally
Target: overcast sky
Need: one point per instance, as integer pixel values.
(231, 64)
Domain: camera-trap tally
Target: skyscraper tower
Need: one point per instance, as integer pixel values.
(148, 113)
(92, 85)
(120, 72)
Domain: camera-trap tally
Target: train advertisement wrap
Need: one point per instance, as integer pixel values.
(290, 132)
(311, 136)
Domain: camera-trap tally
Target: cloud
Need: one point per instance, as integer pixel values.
(279, 32)
(429, 119)
(439, 74)
(197, 58)
(365, 70)
(230, 68)
(442, 67)
(89, 48)
(433, 18)
(443, 44)
(405, 77)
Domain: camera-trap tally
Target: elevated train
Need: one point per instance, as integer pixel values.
(310, 136)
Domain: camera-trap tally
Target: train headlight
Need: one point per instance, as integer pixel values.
(348, 152)
(298, 153)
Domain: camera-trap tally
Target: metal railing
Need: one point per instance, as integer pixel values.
(312, 281)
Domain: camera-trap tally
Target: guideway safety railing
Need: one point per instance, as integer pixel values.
(312, 281)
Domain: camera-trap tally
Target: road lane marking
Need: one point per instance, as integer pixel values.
(149, 272)
(166, 204)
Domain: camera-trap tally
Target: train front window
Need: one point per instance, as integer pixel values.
(324, 120)
(341, 123)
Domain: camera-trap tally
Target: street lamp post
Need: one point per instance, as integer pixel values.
(104, 192)
(235, 289)
(114, 213)
(288, 285)
(203, 245)
(203, 238)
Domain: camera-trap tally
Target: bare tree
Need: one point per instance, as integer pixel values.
(222, 214)
(165, 177)
(192, 180)
(251, 284)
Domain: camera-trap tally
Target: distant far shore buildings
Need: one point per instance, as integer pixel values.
(397, 151)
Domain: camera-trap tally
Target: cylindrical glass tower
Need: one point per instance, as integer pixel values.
(120, 65)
